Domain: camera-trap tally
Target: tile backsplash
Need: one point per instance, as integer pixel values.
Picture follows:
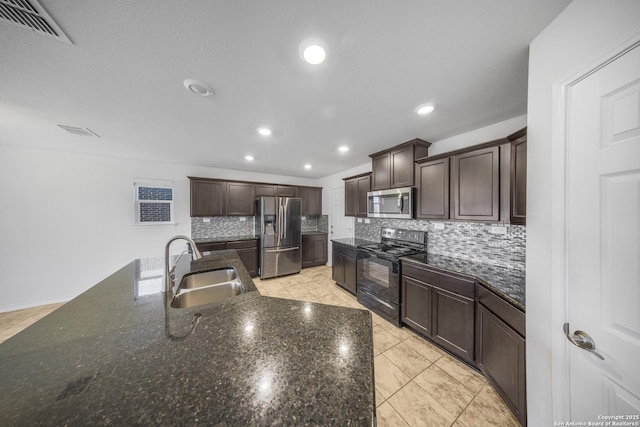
(233, 226)
(466, 240)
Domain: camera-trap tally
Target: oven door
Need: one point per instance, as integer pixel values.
(378, 276)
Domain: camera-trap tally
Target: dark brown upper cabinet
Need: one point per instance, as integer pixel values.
(355, 194)
(208, 197)
(518, 177)
(240, 199)
(311, 200)
(286, 191)
(476, 185)
(215, 197)
(267, 190)
(393, 168)
(432, 196)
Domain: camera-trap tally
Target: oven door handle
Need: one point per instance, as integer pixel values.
(377, 256)
(369, 295)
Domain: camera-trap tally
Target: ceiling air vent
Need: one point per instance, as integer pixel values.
(31, 15)
(79, 131)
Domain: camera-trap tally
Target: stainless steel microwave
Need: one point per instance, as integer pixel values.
(393, 203)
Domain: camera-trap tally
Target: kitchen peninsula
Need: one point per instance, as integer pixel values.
(106, 357)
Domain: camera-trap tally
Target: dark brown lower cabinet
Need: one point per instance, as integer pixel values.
(314, 250)
(440, 306)
(501, 349)
(247, 251)
(344, 266)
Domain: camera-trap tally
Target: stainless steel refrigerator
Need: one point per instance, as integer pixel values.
(279, 225)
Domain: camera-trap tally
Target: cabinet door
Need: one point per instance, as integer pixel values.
(350, 275)
(501, 357)
(381, 175)
(266, 190)
(320, 251)
(402, 167)
(416, 310)
(307, 252)
(454, 323)
(208, 198)
(249, 258)
(350, 197)
(311, 200)
(476, 186)
(363, 186)
(432, 179)
(240, 199)
(337, 270)
(519, 182)
(285, 191)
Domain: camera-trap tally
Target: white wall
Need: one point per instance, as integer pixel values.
(585, 29)
(478, 136)
(67, 219)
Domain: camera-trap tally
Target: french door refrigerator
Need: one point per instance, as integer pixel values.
(279, 225)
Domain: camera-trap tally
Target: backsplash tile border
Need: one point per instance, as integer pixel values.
(465, 240)
(231, 226)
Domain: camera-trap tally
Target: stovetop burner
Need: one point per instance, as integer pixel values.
(396, 243)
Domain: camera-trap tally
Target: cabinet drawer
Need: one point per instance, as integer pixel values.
(210, 247)
(345, 250)
(314, 237)
(241, 244)
(506, 312)
(458, 284)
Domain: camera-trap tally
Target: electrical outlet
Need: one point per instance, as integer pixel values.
(497, 229)
(438, 225)
(243, 218)
(206, 219)
(359, 220)
(367, 221)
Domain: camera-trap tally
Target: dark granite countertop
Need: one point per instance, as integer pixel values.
(225, 238)
(509, 283)
(352, 241)
(314, 232)
(105, 358)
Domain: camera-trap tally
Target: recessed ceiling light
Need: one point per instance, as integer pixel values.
(264, 131)
(307, 166)
(314, 54)
(198, 87)
(424, 109)
(248, 157)
(313, 50)
(343, 148)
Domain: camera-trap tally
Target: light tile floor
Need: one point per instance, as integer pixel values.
(417, 384)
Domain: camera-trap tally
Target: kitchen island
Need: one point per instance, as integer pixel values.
(115, 355)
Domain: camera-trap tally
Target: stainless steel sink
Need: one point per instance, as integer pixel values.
(207, 287)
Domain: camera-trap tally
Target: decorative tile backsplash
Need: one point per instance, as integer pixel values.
(465, 240)
(232, 226)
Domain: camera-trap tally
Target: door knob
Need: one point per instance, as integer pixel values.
(582, 340)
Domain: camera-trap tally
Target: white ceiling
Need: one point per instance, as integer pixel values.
(122, 77)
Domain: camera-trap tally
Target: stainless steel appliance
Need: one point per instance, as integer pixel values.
(393, 203)
(378, 270)
(279, 225)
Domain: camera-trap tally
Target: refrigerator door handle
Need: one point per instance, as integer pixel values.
(286, 217)
(282, 250)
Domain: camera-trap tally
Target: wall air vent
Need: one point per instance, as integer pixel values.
(31, 15)
(79, 131)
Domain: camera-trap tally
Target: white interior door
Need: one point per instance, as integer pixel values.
(602, 201)
(339, 225)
